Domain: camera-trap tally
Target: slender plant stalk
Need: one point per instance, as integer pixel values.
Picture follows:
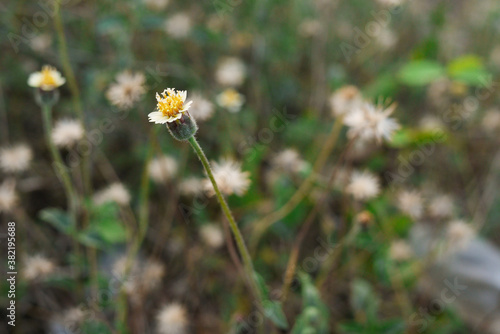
(263, 224)
(122, 307)
(245, 255)
(59, 168)
(294, 254)
(77, 103)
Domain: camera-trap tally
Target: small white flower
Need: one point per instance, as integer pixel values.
(178, 26)
(67, 133)
(229, 177)
(441, 207)
(172, 319)
(345, 99)
(400, 250)
(231, 100)
(370, 122)
(115, 192)
(41, 43)
(212, 235)
(431, 123)
(391, 3)
(156, 5)
(192, 186)
(310, 27)
(47, 79)
(162, 169)
(364, 185)
(16, 158)
(491, 121)
(289, 160)
(203, 109)
(37, 267)
(170, 106)
(410, 202)
(8, 196)
(127, 90)
(459, 234)
(231, 72)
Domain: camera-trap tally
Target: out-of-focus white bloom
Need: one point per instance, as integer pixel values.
(364, 185)
(37, 267)
(431, 123)
(156, 5)
(438, 92)
(370, 122)
(192, 186)
(410, 202)
(386, 38)
(289, 160)
(170, 106)
(212, 235)
(231, 72)
(73, 317)
(441, 207)
(8, 196)
(115, 192)
(391, 3)
(229, 177)
(231, 100)
(15, 158)
(152, 274)
(67, 132)
(47, 79)
(342, 178)
(400, 250)
(40, 43)
(495, 56)
(458, 234)
(203, 109)
(142, 278)
(172, 319)
(127, 90)
(309, 28)
(162, 169)
(491, 121)
(178, 26)
(345, 99)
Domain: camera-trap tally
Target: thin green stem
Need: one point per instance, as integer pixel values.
(305, 188)
(240, 243)
(122, 307)
(73, 86)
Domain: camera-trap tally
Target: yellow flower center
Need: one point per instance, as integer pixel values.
(47, 76)
(170, 104)
(231, 96)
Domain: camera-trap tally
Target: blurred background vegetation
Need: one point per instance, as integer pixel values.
(438, 60)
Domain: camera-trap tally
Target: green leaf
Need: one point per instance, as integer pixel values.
(421, 72)
(272, 309)
(274, 312)
(364, 299)
(468, 69)
(59, 219)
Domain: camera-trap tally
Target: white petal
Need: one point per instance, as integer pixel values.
(35, 79)
(157, 117)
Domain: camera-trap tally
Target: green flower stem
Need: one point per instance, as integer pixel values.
(247, 261)
(56, 156)
(122, 306)
(62, 173)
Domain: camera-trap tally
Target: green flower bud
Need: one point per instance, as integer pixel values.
(183, 128)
